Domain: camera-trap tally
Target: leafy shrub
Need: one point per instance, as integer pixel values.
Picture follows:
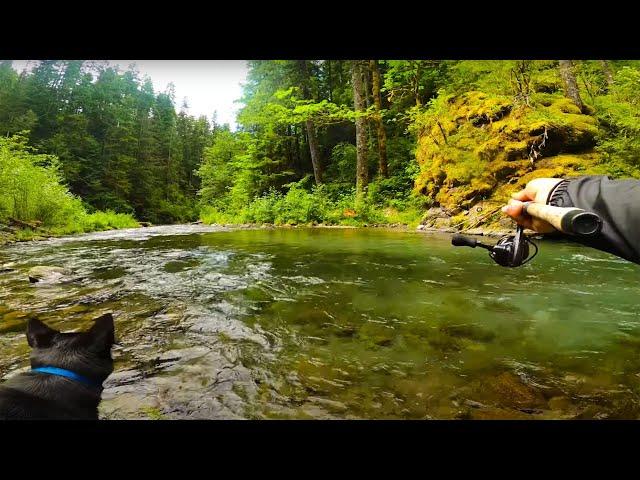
(343, 163)
(322, 204)
(619, 117)
(31, 190)
(107, 220)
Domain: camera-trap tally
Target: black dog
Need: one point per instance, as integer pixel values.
(67, 371)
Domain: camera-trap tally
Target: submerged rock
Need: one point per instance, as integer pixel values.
(48, 274)
(561, 403)
(510, 391)
(505, 396)
(327, 403)
(7, 268)
(472, 332)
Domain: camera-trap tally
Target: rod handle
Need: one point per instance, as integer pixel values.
(571, 220)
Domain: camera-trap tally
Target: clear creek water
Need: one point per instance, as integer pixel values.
(336, 323)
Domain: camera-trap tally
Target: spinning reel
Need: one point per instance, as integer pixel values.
(513, 250)
(510, 251)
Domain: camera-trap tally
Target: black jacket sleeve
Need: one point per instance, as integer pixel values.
(617, 202)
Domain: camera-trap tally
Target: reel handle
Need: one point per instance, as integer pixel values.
(573, 221)
(461, 241)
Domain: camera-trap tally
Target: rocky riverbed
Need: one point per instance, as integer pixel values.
(218, 322)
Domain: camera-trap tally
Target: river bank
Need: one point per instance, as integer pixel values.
(13, 237)
(19, 230)
(10, 235)
(27, 235)
(489, 231)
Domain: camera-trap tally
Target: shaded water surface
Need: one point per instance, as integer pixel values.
(336, 323)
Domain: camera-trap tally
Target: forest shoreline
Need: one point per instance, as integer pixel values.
(478, 231)
(7, 238)
(25, 235)
(370, 143)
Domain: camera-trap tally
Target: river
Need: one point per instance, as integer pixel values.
(217, 323)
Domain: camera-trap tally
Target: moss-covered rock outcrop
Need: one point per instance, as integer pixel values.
(475, 149)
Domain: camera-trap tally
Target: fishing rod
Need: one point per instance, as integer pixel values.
(513, 250)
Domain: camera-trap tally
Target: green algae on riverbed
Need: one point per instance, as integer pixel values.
(337, 323)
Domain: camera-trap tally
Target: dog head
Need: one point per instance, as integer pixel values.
(87, 353)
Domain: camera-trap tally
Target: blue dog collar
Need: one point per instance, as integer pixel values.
(61, 372)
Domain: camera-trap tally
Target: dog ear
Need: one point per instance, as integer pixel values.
(38, 334)
(102, 335)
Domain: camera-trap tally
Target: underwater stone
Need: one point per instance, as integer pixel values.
(44, 273)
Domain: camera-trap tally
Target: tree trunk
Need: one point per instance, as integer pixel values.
(314, 150)
(416, 84)
(366, 82)
(296, 137)
(382, 135)
(607, 71)
(570, 84)
(290, 146)
(329, 81)
(361, 130)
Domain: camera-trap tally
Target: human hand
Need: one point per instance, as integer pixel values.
(536, 191)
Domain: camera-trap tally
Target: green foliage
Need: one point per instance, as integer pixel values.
(295, 207)
(31, 191)
(490, 76)
(414, 82)
(457, 133)
(342, 168)
(619, 115)
(121, 146)
(320, 205)
(108, 220)
(500, 77)
(213, 216)
(237, 169)
(30, 186)
(218, 167)
(14, 115)
(475, 146)
(498, 124)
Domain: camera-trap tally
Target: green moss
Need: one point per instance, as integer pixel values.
(489, 149)
(486, 156)
(564, 105)
(547, 81)
(544, 99)
(153, 413)
(459, 220)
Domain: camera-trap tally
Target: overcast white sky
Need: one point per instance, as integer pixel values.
(208, 85)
